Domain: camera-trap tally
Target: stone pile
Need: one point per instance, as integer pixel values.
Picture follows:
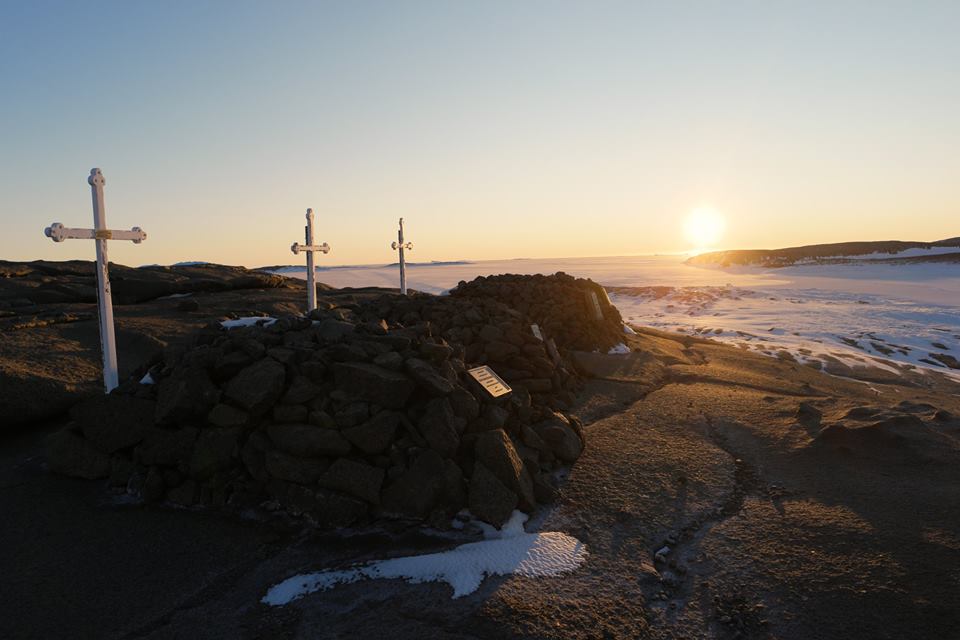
(359, 411)
(563, 307)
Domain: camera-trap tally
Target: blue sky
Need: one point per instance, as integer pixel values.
(497, 129)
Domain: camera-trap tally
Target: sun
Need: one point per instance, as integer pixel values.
(704, 227)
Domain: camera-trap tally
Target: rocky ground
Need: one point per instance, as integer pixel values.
(721, 494)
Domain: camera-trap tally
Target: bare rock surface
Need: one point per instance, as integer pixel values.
(720, 494)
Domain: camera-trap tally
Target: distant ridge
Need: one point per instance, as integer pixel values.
(883, 251)
(287, 268)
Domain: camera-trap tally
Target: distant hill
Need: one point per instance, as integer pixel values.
(885, 251)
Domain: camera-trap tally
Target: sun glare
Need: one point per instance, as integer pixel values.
(704, 227)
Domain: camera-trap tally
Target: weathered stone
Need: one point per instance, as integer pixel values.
(165, 446)
(543, 489)
(464, 404)
(253, 455)
(389, 360)
(352, 414)
(70, 454)
(495, 451)
(346, 352)
(428, 378)
(294, 469)
(230, 364)
(113, 422)
(314, 370)
(495, 415)
(439, 427)
(307, 440)
(333, 330)
(257, 387)
(224, 415)
(374, 435)
(185, 394)
(290, 413)
(283, 355)
(301, 391)
(354, 478)
(490, 333)
(322, 419)
(452, 492)
(537, 385)
(500, 351)
(488, 498)
(369, 382)
(435, 352)
(418, 489)
(215, 450)
(560, 438)
(334, 510)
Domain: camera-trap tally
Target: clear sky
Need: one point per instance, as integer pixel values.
(497, 129)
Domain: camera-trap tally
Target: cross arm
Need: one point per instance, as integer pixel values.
(296, 248)
(58, 233)
(406, 245)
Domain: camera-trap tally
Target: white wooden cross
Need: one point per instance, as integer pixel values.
(401, 246)
(309, 248)
(58, 233)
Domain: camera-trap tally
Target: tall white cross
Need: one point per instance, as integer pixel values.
(58, 233)
(309, 248)
(400, 246)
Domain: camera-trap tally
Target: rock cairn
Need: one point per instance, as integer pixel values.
(563, 306)
(359, 411)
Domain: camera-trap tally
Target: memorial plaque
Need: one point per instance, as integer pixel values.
(490, 381)
(594, 303)
(536, 332)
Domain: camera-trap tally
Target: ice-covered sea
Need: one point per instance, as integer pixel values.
(883, 314)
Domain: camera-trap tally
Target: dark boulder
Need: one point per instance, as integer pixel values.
(495, 451)
(257, 387)
(560, 438)
(488, 498)
(224, 415)
(416, 491)
(294, 469)
(374, 435)
(428, 378)
(187, 393)
(354, 478)
(439, 427)
(308, 440)
(369, 382)
(215, 450)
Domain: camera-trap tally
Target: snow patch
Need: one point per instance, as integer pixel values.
(627, 329)
(248, 322)
(510, 550)
(619, 350)
(147, 379)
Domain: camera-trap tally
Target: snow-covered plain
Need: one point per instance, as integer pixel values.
(510, 550)
(882, 314)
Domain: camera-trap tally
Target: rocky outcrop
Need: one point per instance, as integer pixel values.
(26, 284)
(562, 306)
(359, 411)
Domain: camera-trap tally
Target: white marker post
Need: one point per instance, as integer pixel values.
(310, 249)
(58, 233)
(400, 246)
